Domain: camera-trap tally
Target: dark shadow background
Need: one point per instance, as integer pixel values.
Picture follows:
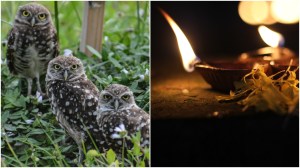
(216, 30)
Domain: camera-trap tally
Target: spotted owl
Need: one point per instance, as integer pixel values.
(119, 113)
(73, 97)
(32, 43)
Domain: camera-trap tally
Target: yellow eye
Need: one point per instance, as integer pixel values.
(74, 67)
(25, 13)
(106, 96)
(42, 16)
(56, 66)
(125, 97)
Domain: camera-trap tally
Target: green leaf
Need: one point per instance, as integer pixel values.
(10, 127)
(4, 117)
(92, 154)
(35, 110)
(45, 124)
(33, 141)
(21, 127)
(23, 158)
(141, 164)
(16, 115)
(36, 132)
(114, 62)
(59, 139)
(65, 149)
(95, 52)
(110, 156)
(136, 149)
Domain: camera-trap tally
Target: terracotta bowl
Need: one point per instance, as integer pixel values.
(222, 75)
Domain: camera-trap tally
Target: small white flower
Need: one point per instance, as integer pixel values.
(147, 72)
(121, 128)
(29, 121)
(39, 97)
(120, 132)
(141, 12)
(68, 52)
(125, 71)
(142, 77)
(3, 62)
(115, 136)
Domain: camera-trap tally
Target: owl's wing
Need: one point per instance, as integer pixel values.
(142, 120)
(11, 51)
(56, 45)
(88, 96)
(134, 120)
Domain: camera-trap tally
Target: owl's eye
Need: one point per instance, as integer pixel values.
(74, 67)
(56, 66)
(125, 97)
(106, 96)
(25, 13)
(42, 16)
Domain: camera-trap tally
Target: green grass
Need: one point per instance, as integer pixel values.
(30, 135)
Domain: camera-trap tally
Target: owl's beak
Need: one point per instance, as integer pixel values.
(65, 74)
(33, 22)
(116, 104)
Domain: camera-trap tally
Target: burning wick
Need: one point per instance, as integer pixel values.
(189, 58)
(273, 39)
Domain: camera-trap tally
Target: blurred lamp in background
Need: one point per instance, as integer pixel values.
(269, 12)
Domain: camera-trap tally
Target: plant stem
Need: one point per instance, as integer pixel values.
(56, 19)
(138, 16)
(90, 136)
(13, 152)
(7, 22)
(138, 20)
(60, 160)
(123, 149)
(76, 11)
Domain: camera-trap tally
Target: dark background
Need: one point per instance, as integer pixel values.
(213, 29)
(216, 30)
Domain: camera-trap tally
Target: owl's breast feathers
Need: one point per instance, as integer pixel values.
(30, 50)
(75, 101)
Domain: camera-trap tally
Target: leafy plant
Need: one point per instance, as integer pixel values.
(30, 134)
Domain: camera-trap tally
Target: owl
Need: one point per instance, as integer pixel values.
(74, 99)
(32, 43)
(119, 113)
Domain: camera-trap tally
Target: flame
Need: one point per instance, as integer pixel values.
(188, 56)
(271, 37)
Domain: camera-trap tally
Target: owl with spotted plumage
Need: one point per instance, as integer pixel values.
(119, 112)
(32, 43)
(74, 98)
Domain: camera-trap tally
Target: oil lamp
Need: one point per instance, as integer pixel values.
(219, 74)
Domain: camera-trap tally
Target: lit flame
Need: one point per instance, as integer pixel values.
(271, 37)
(187, 54)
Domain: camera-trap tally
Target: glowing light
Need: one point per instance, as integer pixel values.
(188, 56)
(270, 37)
(255, 12)
(286, 11)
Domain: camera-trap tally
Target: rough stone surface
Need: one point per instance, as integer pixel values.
(187, 95)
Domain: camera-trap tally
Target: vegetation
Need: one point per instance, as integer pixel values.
(30, 134)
